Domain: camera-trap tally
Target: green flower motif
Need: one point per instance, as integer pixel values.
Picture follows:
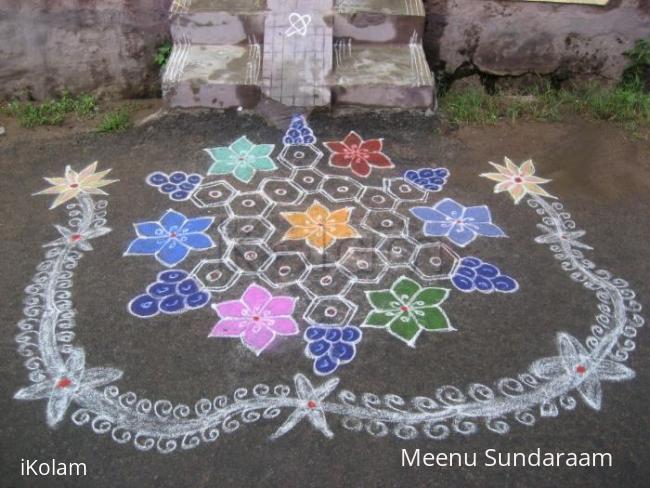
(242, 158)
(407, 309)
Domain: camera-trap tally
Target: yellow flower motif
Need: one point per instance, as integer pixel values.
(319, 227)
(70, 186)
(517, 180)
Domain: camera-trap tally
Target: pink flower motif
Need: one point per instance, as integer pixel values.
(257, 317)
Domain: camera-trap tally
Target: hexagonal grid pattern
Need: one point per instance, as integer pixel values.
(253, 233)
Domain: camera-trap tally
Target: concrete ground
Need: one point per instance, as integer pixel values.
(599, 174)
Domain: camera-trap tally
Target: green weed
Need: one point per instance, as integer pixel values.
(53, 111)
(162, 53)
(639, 65)
(116, 121)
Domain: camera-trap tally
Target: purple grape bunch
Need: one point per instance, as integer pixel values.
(173, 292)
(474, 274)
(299, 132)
(331, 347)
(178, 185)
(428, 179)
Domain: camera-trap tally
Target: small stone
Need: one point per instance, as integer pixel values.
(2, 131)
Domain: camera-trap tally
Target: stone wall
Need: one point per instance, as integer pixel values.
(104, 46)
(107, 46)
(514, 38)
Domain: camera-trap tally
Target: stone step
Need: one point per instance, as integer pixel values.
(213, 76)
(218, 22)
(297, 57)
(289, 53)
(382, 76)
(240, 21)
(362, 75)
(382, 21)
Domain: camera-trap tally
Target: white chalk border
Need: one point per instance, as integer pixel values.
(549, 385)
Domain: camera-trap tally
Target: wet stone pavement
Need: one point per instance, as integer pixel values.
(297, 308)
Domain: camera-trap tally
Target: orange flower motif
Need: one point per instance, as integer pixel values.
(69, 187)
(517, 180)
(319, 227)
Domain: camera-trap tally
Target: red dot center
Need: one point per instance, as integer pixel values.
(580, 369)
(404, 308)
(74, 185)
(256, 317)
(518, 180)
(312, 404)
(75, 237)
(173, 234)
(63, 383)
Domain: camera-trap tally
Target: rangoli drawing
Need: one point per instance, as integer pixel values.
(258, 317)
(319, 226)
(171, 238)
(460, 224)
(242, 158)
(377, 229)
(358, 155)
(407, 309)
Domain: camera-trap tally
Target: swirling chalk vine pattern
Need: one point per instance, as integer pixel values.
(57, 368)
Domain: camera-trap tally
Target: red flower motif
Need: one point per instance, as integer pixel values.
(358, 155)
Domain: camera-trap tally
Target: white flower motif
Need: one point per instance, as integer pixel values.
(519, 181)
(311, 408)
(78, 239)
(73, 184)
(582, 369)
(554, 237)
(61, 388)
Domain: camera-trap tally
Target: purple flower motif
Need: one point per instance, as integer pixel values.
(459, 224)
(257, 318)
(171, 238)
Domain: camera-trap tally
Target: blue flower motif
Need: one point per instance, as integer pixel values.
(331, 347)
(473, 274)
(171, 238)
(461, 225)
(428, 179)
(299, 132)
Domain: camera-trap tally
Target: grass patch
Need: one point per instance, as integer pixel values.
(622, 104)
(474, 106)
(639, 66)
(470, 107)
(117, 121)
(625, 104)
(53, 111)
